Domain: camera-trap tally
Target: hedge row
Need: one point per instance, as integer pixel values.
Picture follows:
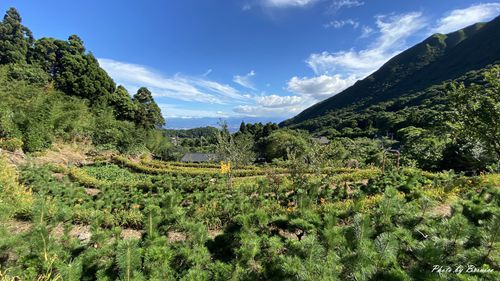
(84, 179)
(163, 164)
(186, 171)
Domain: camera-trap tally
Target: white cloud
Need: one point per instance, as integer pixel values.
(246, 7)
(320, 87)
(255, 111)
(172, 111)
(342, 23)
(275, 105)
(366, 31)
(207, 72)
(460, 18)
(339, 4)
(274, 101)
(288, 3)
(339, 70)
(214, 87)
(245, 80)
(179, 87)
(393, 31)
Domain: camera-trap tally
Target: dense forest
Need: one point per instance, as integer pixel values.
(404, 187)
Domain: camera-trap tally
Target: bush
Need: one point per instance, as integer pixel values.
(11, 144)
(37, 137)
(7, 126)
(33, 75)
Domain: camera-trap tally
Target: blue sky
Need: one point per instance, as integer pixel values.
(260, 58)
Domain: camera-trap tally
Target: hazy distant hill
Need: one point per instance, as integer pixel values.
(232, 122)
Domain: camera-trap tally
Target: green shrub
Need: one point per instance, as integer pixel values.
(31, 74)
(36, 138)
(11, 144)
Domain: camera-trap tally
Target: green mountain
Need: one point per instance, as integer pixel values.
(405, 78)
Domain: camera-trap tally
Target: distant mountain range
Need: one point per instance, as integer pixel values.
(435, 60)
(232, 122)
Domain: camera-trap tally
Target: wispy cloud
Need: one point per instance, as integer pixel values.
(459, 18)
(320, 87)
(274, 101)
(334, 5)
(337, 71)
(393, 31)
(178, 87)
(366, 31)
(207, 72)
(246, 7)
(287, 3)
(245, 80)
(222, 90)
(255, 111)
(342, 23)
(173, 111)
(307, 91)
(339, 4)
(334, 71)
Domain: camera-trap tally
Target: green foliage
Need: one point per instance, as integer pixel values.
(11, 144)
(205, 132)
(8, 127)
(33, 75)
(477, 111)
(131, 219)
(188, 227)
(235, 148)
(423, 147)
(79, 74)
(148, 113)
(458, 131)
(431, 62)
(88, 106)
(281, 143)
(125, 108)
(129, 260)
(15, 38)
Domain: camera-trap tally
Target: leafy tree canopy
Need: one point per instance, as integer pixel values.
(149, 113)
(15, 38)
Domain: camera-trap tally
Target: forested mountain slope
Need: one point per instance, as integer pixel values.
(435, 60)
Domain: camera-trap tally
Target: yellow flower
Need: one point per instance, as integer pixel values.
(225, 167)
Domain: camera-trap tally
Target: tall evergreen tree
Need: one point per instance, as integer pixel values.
(45, 53)
(124, 107)
(15, 39)
(79, 73)
(243, 127)
(148, 112)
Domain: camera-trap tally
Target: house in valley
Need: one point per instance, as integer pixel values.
(199, 158)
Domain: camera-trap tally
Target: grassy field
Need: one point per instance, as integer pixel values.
(150, 220)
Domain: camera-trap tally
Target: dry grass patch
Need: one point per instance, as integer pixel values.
(130, 234)
(18, 227)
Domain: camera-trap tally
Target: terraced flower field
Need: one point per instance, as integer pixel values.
(150, 220)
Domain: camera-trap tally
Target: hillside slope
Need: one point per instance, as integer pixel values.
(436, 59)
